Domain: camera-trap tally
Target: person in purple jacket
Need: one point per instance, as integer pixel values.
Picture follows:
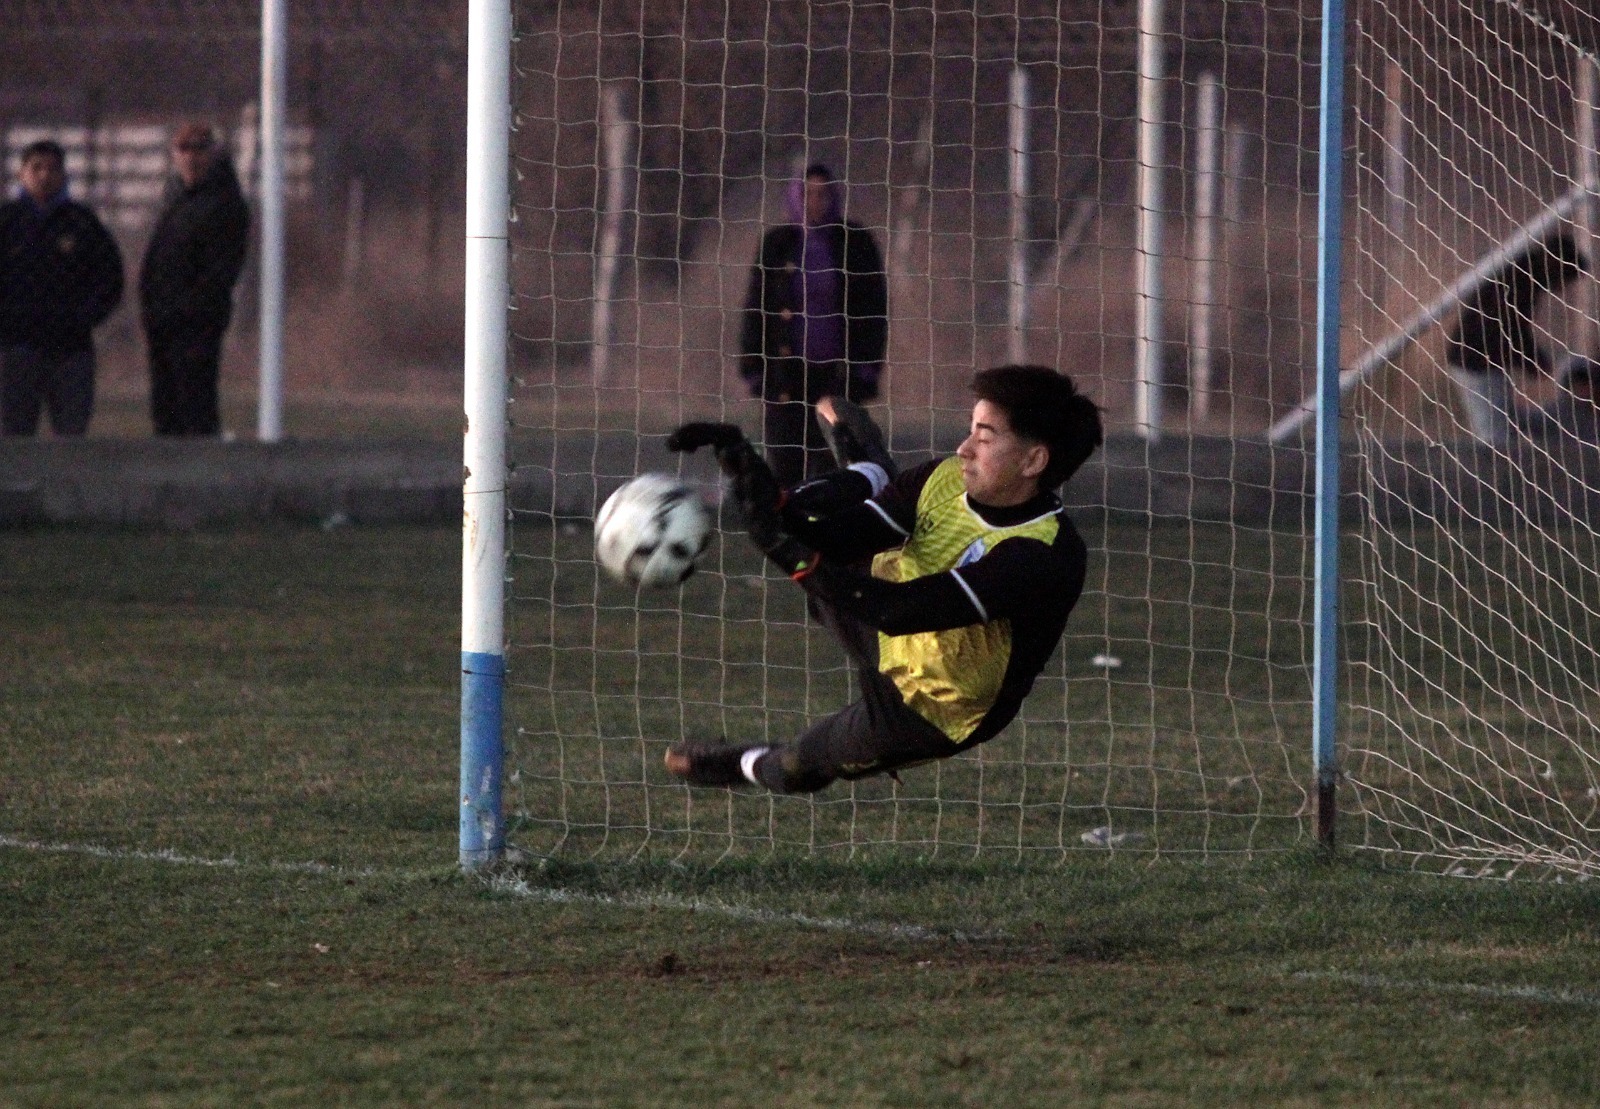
(816, 323)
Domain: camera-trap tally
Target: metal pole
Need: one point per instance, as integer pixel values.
(1396, 180)
(1235, 145)
(909, 197)
(1208, 150)
(1325, 646)
(1017, 336)
(274, 52)
(1147, 259)
(355, 231)
(483, 547)
(616, 137)
(1588, 159)
(1395, 169)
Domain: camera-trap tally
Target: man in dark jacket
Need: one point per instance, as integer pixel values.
(816, 323)
(1493, 341)
(60, 277)
(186, 284)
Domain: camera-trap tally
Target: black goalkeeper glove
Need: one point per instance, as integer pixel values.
(720, 437)
(755, 491)
(826, 495)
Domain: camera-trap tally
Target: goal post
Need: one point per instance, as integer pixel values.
(1325, 679)
(484, 465)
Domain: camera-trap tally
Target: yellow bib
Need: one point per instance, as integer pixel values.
(950, 678)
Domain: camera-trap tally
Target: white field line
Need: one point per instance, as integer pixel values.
(166, 856)
(517, 887)
(1426, 985)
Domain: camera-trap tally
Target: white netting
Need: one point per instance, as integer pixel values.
(653, 147)
(1471, 731)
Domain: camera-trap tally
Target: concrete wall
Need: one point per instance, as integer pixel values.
(152, 483)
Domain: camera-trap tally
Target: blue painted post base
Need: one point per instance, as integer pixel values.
(483, 830)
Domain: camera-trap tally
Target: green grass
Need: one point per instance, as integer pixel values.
(222, 710)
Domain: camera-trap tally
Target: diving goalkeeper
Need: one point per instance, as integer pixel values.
(974, 570)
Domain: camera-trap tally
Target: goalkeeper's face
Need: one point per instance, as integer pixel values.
(1000, 467)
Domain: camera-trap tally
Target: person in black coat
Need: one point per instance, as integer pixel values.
(816, 323)
(1493, 340)
(60, 277)
(186, 284)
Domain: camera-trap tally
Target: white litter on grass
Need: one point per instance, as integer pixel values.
(1103, 836)
(1106, 662)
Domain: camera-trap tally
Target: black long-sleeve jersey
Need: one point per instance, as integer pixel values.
(969, 600)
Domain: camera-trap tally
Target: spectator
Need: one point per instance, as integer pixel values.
(815, 323)
(1493, 338)
(60, 277)
(186, 284)
(1575, 413)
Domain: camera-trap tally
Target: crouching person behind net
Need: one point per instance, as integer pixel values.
(975, 569)
(1493, 344)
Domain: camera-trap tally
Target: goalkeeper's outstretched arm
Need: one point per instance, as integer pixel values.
(831, 517)
(838, 516)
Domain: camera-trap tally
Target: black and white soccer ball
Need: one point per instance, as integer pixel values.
(650, 531)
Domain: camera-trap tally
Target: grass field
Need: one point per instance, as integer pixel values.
(227, 845)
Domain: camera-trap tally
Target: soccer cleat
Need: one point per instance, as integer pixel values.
(852, 435)
(708, 764)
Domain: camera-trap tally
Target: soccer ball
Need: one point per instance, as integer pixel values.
(650, 531)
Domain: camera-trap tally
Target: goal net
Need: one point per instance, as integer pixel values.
(1135, 205)
(1470, 739)
(998, 158)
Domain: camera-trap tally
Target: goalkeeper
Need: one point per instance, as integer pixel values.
(974, 570)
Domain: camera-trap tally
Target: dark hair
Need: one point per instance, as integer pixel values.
(817, 169)
(1044, 406)
(44, 147)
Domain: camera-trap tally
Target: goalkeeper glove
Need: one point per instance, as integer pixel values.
(755, 490)
(689, 438)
